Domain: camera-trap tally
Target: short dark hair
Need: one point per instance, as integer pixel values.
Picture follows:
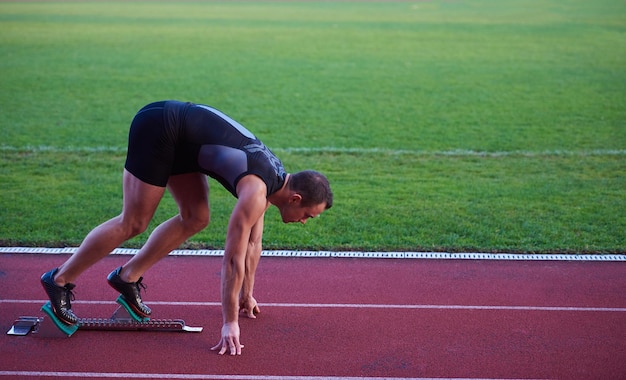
(313, 187)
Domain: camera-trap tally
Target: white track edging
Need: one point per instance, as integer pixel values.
(350, 254)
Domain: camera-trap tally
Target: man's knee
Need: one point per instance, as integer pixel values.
(196, 221)
(134, 226)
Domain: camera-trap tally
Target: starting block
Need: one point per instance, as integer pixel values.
(123, 319)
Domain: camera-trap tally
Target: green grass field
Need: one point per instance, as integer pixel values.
(487, 125)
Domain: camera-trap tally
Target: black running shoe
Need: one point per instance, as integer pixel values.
(60, 298)
(130, 292)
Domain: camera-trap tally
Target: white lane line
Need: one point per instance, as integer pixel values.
(456, 152)
(346, 150)
(206, 376)
(356, 306)
(449, 307)
(349, 254)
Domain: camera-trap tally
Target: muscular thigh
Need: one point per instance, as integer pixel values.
(141, 199)
(191, 193)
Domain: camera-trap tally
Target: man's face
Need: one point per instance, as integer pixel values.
(294, 212)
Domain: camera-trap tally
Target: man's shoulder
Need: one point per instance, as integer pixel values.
(251, 185)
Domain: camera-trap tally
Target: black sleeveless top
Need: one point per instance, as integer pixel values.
(199, 138)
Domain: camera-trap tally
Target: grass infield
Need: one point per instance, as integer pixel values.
(443, 126)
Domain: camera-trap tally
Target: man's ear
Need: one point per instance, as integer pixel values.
(295, 198)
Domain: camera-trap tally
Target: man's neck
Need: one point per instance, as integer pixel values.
(281, 197)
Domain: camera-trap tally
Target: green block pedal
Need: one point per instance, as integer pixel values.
(65, 328)
(122, 301)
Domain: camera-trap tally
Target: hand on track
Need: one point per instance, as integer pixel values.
(230, 340)
(249, 307)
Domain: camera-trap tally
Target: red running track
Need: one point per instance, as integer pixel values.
(338, 317)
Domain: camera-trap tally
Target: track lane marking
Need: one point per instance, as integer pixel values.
(356, 306)
(208, 376)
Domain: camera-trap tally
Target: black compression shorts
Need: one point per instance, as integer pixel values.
(152, 147)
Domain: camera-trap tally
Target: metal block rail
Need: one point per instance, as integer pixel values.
(120, 321)
(132, 325)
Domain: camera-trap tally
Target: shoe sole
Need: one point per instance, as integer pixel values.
(131, 308)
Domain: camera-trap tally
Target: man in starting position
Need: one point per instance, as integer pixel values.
(175, 145)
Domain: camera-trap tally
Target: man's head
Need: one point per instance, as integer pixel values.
(313, 187)
(310, 195)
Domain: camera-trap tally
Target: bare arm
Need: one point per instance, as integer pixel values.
(247, 303)
(249, 209)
